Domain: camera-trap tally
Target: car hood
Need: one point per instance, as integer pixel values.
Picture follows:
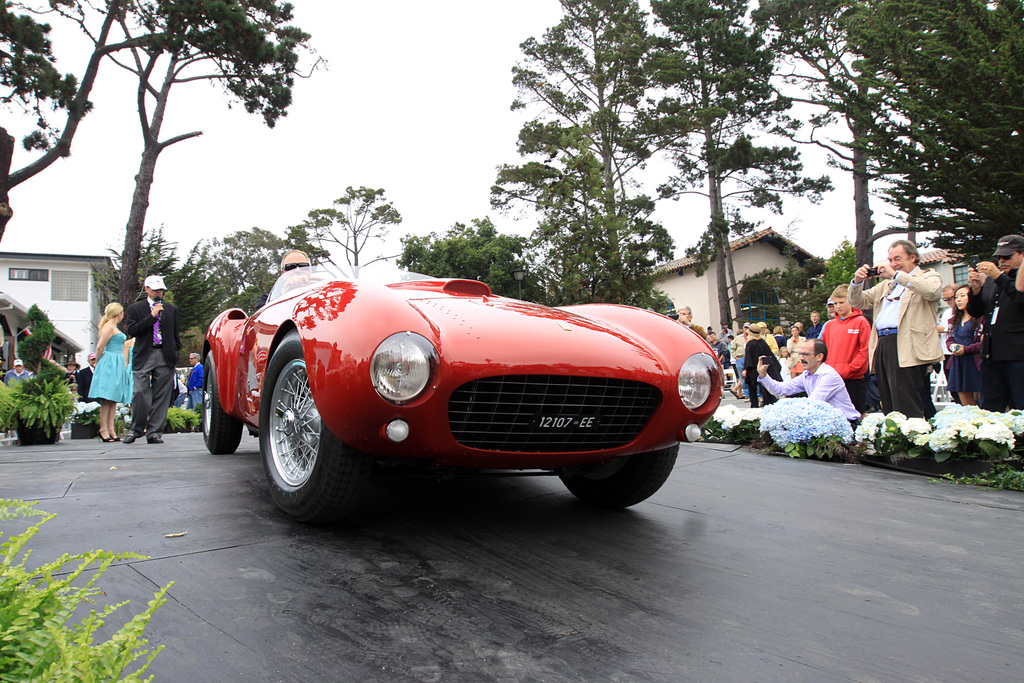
(506, 333)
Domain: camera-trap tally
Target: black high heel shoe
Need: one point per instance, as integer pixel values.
(110, 440)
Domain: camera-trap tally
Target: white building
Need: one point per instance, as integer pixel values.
(64, 287)
(751, 254)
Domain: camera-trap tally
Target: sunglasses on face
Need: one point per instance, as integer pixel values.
(293, 266)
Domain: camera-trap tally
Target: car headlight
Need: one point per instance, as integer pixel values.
(696, 378)
(402, 366)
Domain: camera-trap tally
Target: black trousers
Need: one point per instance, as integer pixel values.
(152, 397)
(899, 388)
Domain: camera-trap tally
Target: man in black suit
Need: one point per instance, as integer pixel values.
(154, 324)
(84, 378)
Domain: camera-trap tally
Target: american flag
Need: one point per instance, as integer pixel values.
(48, 354)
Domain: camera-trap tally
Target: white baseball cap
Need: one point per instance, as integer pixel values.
(155, 282)
(17, 361)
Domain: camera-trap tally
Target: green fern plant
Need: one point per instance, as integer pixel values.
(181, 420)
(38, 642)
(42, 401)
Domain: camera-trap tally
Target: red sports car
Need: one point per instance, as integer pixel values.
(341, 374)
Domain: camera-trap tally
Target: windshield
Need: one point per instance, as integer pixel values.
(381, 273)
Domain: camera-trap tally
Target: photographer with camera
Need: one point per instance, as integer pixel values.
(995, 297)
(154, 324)
(904, 339)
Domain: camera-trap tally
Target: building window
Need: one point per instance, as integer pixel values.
(37, 274)
(69, 285)
(960, 274)
(760, 306)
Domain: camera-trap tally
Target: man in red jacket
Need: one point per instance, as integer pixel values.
(847, 336)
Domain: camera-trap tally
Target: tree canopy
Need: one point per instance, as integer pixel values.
(718, 72)
(361, 216)
(475, 252)
(587, 77)
(247, 47)
(950, 74)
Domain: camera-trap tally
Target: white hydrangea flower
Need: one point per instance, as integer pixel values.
(943, 440)
(997, 432)
(868, 429)
(1014, 419)
(914, 426)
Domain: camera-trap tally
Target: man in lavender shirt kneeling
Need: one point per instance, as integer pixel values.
(819, 381)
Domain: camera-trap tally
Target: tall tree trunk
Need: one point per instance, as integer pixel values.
(734, 290)
(128, 287)
(721, 232)
(6, 156)
(865, 227)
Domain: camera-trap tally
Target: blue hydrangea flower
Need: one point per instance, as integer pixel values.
(798, 420)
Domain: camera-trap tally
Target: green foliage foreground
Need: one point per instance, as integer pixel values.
(38, 641)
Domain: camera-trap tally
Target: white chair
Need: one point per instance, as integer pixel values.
(940, 394)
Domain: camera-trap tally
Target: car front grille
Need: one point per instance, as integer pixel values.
(550, 413)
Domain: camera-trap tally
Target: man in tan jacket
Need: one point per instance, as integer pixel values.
(904, 338)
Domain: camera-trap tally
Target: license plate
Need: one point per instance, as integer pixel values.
(565, 422)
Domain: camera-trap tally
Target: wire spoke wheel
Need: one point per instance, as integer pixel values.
(294, 425)
(313, 476)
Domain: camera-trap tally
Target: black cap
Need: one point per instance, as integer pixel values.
(1008, 244)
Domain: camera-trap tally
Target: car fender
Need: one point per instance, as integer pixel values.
(338, 349)
(663, 336)
(222, 340)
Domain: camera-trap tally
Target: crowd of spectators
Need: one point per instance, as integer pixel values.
(887, 362)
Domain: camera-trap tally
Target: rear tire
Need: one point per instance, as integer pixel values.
(624, 481)
(313, 476)
(221, 432)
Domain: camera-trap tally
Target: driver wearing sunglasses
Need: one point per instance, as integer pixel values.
(292, 261)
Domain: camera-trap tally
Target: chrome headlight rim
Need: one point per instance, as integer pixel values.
(402, 367)
(696, 380)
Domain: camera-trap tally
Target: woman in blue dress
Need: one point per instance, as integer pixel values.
(964, 340)
(111, 380)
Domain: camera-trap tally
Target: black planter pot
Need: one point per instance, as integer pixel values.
(84, 431)
(927, 466)
(37, 436)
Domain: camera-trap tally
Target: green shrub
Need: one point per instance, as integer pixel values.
(181, 420)
(37, 640)
(41, 401)
(1002, 476)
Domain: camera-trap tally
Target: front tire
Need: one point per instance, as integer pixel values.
(624, 481)
(221, 432)
(313, 476)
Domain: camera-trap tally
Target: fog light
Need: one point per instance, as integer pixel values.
(398, 430)
(693, 432)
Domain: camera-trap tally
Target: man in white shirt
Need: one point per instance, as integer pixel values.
(904, 339)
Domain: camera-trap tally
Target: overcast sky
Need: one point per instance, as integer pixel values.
(415, 100)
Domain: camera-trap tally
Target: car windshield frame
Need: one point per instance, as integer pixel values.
(301, 279)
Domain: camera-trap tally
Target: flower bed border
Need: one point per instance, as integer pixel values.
(928, 467)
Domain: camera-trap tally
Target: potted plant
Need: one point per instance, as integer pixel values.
(39, 406)
(85, 421)
(181, 420)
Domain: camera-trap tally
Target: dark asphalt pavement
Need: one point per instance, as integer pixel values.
(742, 568)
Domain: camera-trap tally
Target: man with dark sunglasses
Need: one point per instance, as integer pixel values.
(291, 261)
(994, 296)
